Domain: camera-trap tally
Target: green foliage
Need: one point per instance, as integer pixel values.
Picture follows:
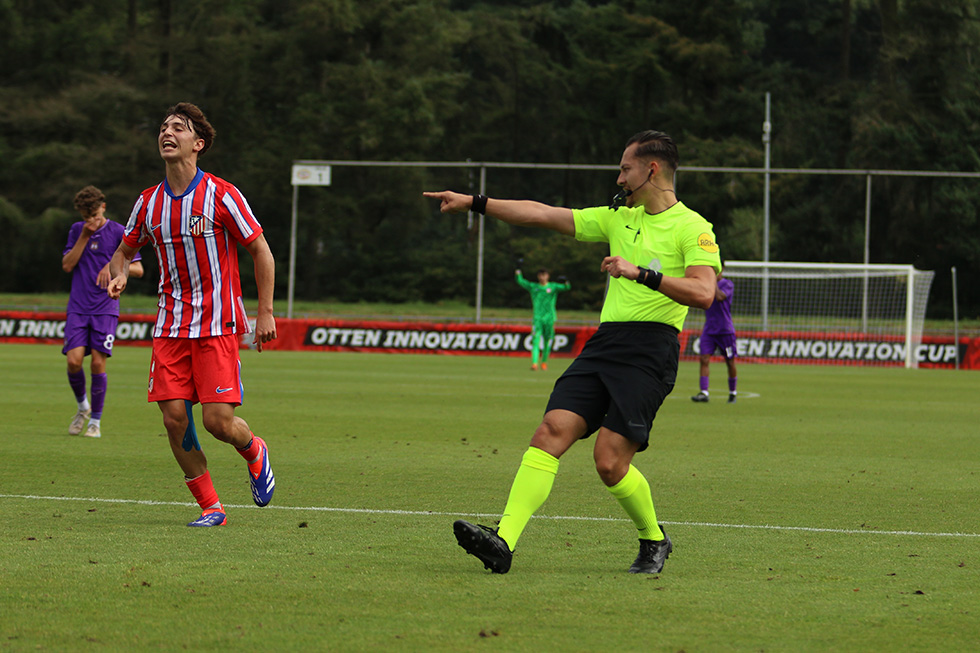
(855, 84)
(14, 227)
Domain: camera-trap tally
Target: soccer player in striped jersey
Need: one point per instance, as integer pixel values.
(195, 222)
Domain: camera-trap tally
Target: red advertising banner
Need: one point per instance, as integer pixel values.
(326, 335)
(834, 349)
(515, 340)
(49, 328)
(420, 337)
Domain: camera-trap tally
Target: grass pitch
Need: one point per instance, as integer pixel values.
(831, 508)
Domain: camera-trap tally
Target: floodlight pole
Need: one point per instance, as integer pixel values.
(867, 220)
(911, 359)
(956, 319)
(867, 251)
(766, 140)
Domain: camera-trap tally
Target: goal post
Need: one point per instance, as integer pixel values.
(832, 301)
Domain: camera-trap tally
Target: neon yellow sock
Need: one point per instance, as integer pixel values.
(532, 485)
(633, 494)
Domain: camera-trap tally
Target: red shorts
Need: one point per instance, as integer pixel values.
(207, 370)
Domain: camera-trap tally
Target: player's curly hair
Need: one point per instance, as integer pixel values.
(198, 121)
(655, 144)
(88, 200)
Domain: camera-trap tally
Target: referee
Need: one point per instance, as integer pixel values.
(662, 259)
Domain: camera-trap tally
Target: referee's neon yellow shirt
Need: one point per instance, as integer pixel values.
(669, 242)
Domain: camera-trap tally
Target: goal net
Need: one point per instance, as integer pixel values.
(826, 312)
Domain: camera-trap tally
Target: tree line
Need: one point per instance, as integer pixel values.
(856, 84)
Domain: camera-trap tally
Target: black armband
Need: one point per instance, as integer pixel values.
(650, 278)
(479, 204)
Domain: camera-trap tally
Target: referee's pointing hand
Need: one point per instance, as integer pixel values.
(451, 202)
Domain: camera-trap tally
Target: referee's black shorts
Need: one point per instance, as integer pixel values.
(621, 378)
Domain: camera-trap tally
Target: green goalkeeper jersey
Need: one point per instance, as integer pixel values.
(669, 242)
(543, 297)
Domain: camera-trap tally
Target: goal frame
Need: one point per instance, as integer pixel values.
(914, 314)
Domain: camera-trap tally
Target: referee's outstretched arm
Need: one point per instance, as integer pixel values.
(522, 213)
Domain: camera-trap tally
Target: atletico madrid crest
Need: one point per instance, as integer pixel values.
(199, 224)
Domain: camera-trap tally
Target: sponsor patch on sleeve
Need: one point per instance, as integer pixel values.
(707, 243)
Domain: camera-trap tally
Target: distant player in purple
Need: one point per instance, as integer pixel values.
(90, 327)
(719, 334)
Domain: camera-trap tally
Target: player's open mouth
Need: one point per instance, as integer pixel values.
(168, 145)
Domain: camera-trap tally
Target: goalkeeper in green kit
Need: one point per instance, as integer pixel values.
(543, 297)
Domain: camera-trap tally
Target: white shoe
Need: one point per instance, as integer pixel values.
(92, 431)
(78, 421)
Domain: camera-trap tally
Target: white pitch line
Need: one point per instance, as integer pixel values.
(433, 513)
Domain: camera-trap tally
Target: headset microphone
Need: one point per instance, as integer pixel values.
(619, 199)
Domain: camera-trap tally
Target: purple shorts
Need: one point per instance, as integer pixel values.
(712, 342)
(90, 331)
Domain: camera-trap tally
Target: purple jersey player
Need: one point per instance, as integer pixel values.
(90, 327)
(719, 335)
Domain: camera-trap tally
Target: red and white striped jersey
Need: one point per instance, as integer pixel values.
(195, 237)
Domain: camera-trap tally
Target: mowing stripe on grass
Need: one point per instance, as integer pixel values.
(432, 513)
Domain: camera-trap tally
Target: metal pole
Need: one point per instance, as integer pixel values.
(956, 320)
(911, 356)
(469, 177)
(867, 220)
(292, 256)
(480, 243)
(867, 252)
(766, 138)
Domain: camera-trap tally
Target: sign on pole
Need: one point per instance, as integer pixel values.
(303, 175)
(311, 175)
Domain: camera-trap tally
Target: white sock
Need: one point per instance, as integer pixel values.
(83, 405)
(95, 421)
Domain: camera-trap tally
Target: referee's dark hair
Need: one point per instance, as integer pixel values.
(655, 144)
